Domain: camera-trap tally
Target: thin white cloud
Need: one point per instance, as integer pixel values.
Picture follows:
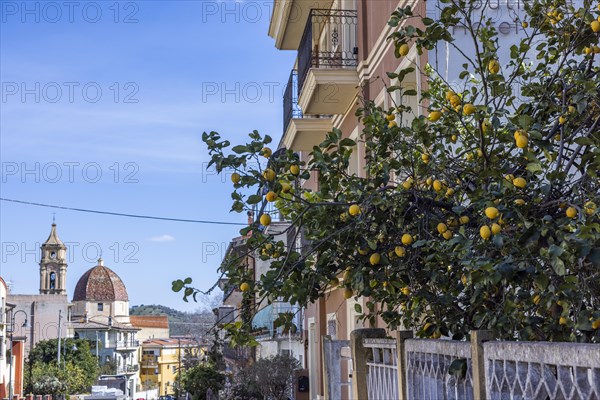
(162, 238)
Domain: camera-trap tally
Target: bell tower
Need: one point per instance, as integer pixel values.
(53, 265)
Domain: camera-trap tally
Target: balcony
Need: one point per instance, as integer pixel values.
(288, 20)
(237, 352)
(127, 345)
(127, 369)
(301, 132)
(327, 61)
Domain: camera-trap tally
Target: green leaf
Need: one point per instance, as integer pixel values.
(458, 368)
(239, 149)
(358, 308)
(254, 199)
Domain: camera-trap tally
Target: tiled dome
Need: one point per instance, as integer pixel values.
(100, 284)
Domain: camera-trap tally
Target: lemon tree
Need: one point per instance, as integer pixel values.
(481, 213)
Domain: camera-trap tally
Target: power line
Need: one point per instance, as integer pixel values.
(195, 221)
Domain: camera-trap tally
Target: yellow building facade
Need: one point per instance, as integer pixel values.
(162, 359)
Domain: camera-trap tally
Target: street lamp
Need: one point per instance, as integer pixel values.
(12, 332)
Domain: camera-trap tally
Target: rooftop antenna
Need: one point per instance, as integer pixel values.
(53, 217)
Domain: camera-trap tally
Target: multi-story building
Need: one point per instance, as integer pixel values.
(163, 359)
(343, 56)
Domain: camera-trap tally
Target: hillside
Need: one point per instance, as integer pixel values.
(181, 323)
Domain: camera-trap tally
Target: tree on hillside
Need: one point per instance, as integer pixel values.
(480, 214)
(76, 373)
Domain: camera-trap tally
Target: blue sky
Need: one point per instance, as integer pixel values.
(181, 68)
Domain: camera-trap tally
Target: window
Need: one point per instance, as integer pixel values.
(52, 280)
(100, 306)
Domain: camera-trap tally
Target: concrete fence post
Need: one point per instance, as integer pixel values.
(359, 360)
(478, 362)
(38, 397)
(401, 337)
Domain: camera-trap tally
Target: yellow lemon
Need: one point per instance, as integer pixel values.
(590, 207)
(425, 158)
(437, 185)
(522, 141)
(496, 229)
(562, 321)
(294, 169)
(519, 132)
(449, 94)
(265, 220)
(520, 182)
(536, 299)
(519, 202)
(407, 184)
(400, 251)
(463, 279)
(448, 234)
(525, 24)
(403, 49)
(596, 324)
(469, 109)
(427, 326)
(266, 152)
(348, 293)
(441, 228)
(571, 212)
(407, 239)
(392, 124)
(492, 212)
(429, 181)
(235, 178)
(562, 120)
(334, 281)
(454, 138)
(485, 232)
(464, 220)
(269, 174)
(285, 187)
(375, 259)
(494, 66)
(405, 290)
(244, 287)
(390, 117)
(354, 210)
(435, 115)
(271, 196)
(449, 192)
(454, 100)
(595, 25)
(572, 109)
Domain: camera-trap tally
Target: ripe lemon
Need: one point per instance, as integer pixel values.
(454, 138)
(403, 49)
(392, 124)
(405, 290)
(494, 66)
(235, 178)
(522, 141)
(496, 229)
(271, 196)
(595, 25)
(454, 100)
(427, 326)
(562, 321)
(425, 158)
(334, 281)
(441, 228)
(354, 210)
(294, 169)
(375, 259)
(429, 181)
(492, 212)
(536, 299)
(464, 220)
(448, 234)
(596, 324)
(285, 187)
(562, 120)
(244, 287)
(463, 279)
(400, 251)
(485, 126)
(437, 185)
(348, 293)
(485, 232)
(390, 117)
(346, 275)
(407, 184)
(362, 252)
(590, 207)
(449, 94)
(469, 109)
(435, 116)
(407, 239)
(520, 182)
(265, 220)
(525, 24)
(519, 202)
(571, 212)
(266, 152)
(449, 192)
(572, 109)
(269, 174)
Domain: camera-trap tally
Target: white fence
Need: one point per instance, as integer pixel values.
(409, 369)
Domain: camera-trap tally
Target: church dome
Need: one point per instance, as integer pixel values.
(100, 284)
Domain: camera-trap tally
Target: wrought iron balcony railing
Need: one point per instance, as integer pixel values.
(290, 100)
(329, 41)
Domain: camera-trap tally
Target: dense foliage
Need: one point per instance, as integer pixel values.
(199, 379)
(481, 214)
(76, 373)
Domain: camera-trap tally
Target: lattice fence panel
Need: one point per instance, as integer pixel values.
(427, 367)
(382, 369)
(525, 370)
